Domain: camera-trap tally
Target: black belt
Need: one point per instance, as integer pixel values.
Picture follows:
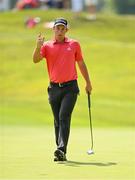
(62, 84)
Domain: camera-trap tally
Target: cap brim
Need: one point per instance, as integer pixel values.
(60, 24)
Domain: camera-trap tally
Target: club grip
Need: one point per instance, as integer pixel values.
(89, 104)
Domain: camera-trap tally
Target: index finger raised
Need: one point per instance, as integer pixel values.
(39, 35)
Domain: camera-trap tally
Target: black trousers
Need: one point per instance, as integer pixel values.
(62, 100)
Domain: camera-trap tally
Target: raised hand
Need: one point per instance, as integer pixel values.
(40, 40)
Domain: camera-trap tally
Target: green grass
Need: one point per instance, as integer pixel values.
(108, 46)
(28, 154)
(26, 138)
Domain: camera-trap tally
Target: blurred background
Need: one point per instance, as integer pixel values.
(120, 6)
(105, 29)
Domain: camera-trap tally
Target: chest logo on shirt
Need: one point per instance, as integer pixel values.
(69, 49)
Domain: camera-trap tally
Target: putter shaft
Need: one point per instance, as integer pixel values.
(89, 107)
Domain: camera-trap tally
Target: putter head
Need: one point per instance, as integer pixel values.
(90, 151)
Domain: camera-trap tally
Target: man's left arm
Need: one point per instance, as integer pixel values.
(85, 74)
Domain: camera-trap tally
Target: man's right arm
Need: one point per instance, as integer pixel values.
(36, 54)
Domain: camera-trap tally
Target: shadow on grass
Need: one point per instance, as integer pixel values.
(76, 163)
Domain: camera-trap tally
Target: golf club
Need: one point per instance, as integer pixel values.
(90, 151)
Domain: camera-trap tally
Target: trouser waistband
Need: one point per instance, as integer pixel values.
(63, 84)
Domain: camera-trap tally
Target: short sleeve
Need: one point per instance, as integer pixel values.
(78, 52)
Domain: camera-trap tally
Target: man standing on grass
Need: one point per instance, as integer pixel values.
(61, 55)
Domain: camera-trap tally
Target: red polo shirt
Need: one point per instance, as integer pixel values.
(61, 59)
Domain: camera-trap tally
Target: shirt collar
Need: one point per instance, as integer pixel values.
(65, 40)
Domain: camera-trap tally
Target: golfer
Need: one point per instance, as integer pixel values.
(62, 54)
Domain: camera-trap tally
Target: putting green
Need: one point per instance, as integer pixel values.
(26, 153)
